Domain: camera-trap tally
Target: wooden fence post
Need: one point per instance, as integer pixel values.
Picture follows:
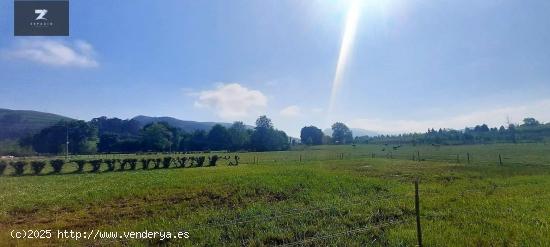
(468, 154)
(500, 159)
(417, 208)
(418, 155)
(300, 158)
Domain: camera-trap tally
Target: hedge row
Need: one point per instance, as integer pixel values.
(124, 164)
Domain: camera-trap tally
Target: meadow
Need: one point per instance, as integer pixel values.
(313, 196)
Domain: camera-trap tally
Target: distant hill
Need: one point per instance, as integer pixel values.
(355, 132)
(15, 124)
(188, 126)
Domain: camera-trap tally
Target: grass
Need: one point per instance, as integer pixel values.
(281, 200)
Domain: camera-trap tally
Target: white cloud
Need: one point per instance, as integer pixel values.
(291, 111)
(54, 53)
(232, 101)
(491, 117)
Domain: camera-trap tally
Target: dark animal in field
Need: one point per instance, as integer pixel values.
(396, 147)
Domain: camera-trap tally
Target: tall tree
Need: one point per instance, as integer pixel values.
(82, 138)
(311, 135)
(266, 138)
(156, 137)
(264, 122)
(218, 138)
(198, 141)
(530, 122)
(341, 134)
(239, 136)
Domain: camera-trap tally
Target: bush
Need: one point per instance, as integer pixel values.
(200, 161)
(18, 167)
(166, 161)
(181, 161)
(157, 163)
(212, 160)
(237, 158)
(145, 163)
(3, 165)
(57, 165)
(37, 166)
(123, 164)
(192, 161)
(80, 165)
(96, 165)
(132, 162)
(110, 165)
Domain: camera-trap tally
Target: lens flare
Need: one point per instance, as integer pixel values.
(346, 47)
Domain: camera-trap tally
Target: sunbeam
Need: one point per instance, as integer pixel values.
(345, 50)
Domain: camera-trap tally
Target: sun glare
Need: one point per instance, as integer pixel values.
(346, 47)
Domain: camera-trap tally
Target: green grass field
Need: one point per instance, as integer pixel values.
(337, 195)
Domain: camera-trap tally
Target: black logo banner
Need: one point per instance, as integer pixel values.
(41, 18)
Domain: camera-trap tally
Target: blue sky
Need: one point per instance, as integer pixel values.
(411, 65)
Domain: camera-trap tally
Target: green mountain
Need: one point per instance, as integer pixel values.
(188, 126)
(15, 124)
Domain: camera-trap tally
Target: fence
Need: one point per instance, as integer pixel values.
(464, 157)
(459, 158)
(510, 154)
(297, 213)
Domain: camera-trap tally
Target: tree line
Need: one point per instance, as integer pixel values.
(341, 134)
(113, 135)
(531, 130)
